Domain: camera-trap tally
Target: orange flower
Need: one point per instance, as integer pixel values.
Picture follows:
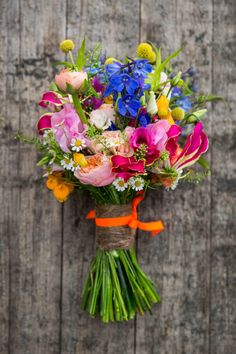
(51, 182)
(163, 106)
(61, 192)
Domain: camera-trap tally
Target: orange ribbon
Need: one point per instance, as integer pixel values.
(131, 220)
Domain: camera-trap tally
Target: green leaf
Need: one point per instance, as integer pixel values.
(204, 163)
(53, 87)
(64, 63)
(81, 58)
(44, 161)
(79, 108)
(154, 78)
(70, 89)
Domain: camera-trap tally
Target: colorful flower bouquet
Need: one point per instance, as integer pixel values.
(117, 129)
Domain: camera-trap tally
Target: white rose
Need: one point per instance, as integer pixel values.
(103, 116)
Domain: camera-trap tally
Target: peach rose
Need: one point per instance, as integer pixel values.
(74, 78)
(115, 141)
(98, 172)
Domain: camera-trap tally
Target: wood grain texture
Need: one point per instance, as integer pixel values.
(223, 211)
(46, 248)
(179, 258)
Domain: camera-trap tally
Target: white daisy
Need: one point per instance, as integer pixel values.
(68, 164)
(136, 183)
(78, 144)
(120, 184)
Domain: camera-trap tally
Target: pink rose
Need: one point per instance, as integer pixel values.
(74, 78)
(98, 172)
(66, 125)
(103, 116)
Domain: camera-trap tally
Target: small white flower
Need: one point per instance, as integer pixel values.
(152, 105)
(68, 164)
(120, 184)
(136, 183)
(78, 144)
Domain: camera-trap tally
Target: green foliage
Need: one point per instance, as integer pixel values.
(81, 58)
(155, 77)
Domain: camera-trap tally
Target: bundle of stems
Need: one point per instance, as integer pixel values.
(116, 288)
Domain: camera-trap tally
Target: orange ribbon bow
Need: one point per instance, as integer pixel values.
(131, 220)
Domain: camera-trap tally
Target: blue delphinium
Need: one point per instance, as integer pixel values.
(126, 82)
(128, 104)
(141, 68)
(181, 101)
(120, 82)
(144, 118)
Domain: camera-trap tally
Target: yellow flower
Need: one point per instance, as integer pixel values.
(163, 106)
(67, 45)
(110, 61)
(51, 182)
(177, 113)
(169, 119)
(80, 159)
(108, 99)
(145, 51)
(61, 192)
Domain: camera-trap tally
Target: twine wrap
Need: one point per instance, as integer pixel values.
(115, 237)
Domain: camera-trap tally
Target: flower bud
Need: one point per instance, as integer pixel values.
(176, 79)
(180, 83)
(152, 105)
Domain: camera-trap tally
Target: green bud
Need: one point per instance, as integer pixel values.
(192, 119)
(200, 113)
(180, 83)
(201, 99)
(176, 78)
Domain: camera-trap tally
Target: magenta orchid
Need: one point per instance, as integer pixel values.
(50, 100)
(196, 145)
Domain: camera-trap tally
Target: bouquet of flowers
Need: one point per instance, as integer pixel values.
(117, 129)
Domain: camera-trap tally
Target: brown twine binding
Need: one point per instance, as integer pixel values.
(118, 237)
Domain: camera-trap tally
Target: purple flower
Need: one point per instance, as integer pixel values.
(128, 103)
(97, 85)
(66, 125)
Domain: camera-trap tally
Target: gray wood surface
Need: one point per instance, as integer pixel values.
(45, 248)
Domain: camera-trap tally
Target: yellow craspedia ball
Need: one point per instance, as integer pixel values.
(177, 113)
(61, 192)
(144, 51)
(110, 61)
(67, 45)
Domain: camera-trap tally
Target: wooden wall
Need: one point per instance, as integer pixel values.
(45, 247)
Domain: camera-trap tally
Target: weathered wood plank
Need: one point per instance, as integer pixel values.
(9, 58)
(178, 259)
(223, 228)
(35, 219)
(116, 25)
